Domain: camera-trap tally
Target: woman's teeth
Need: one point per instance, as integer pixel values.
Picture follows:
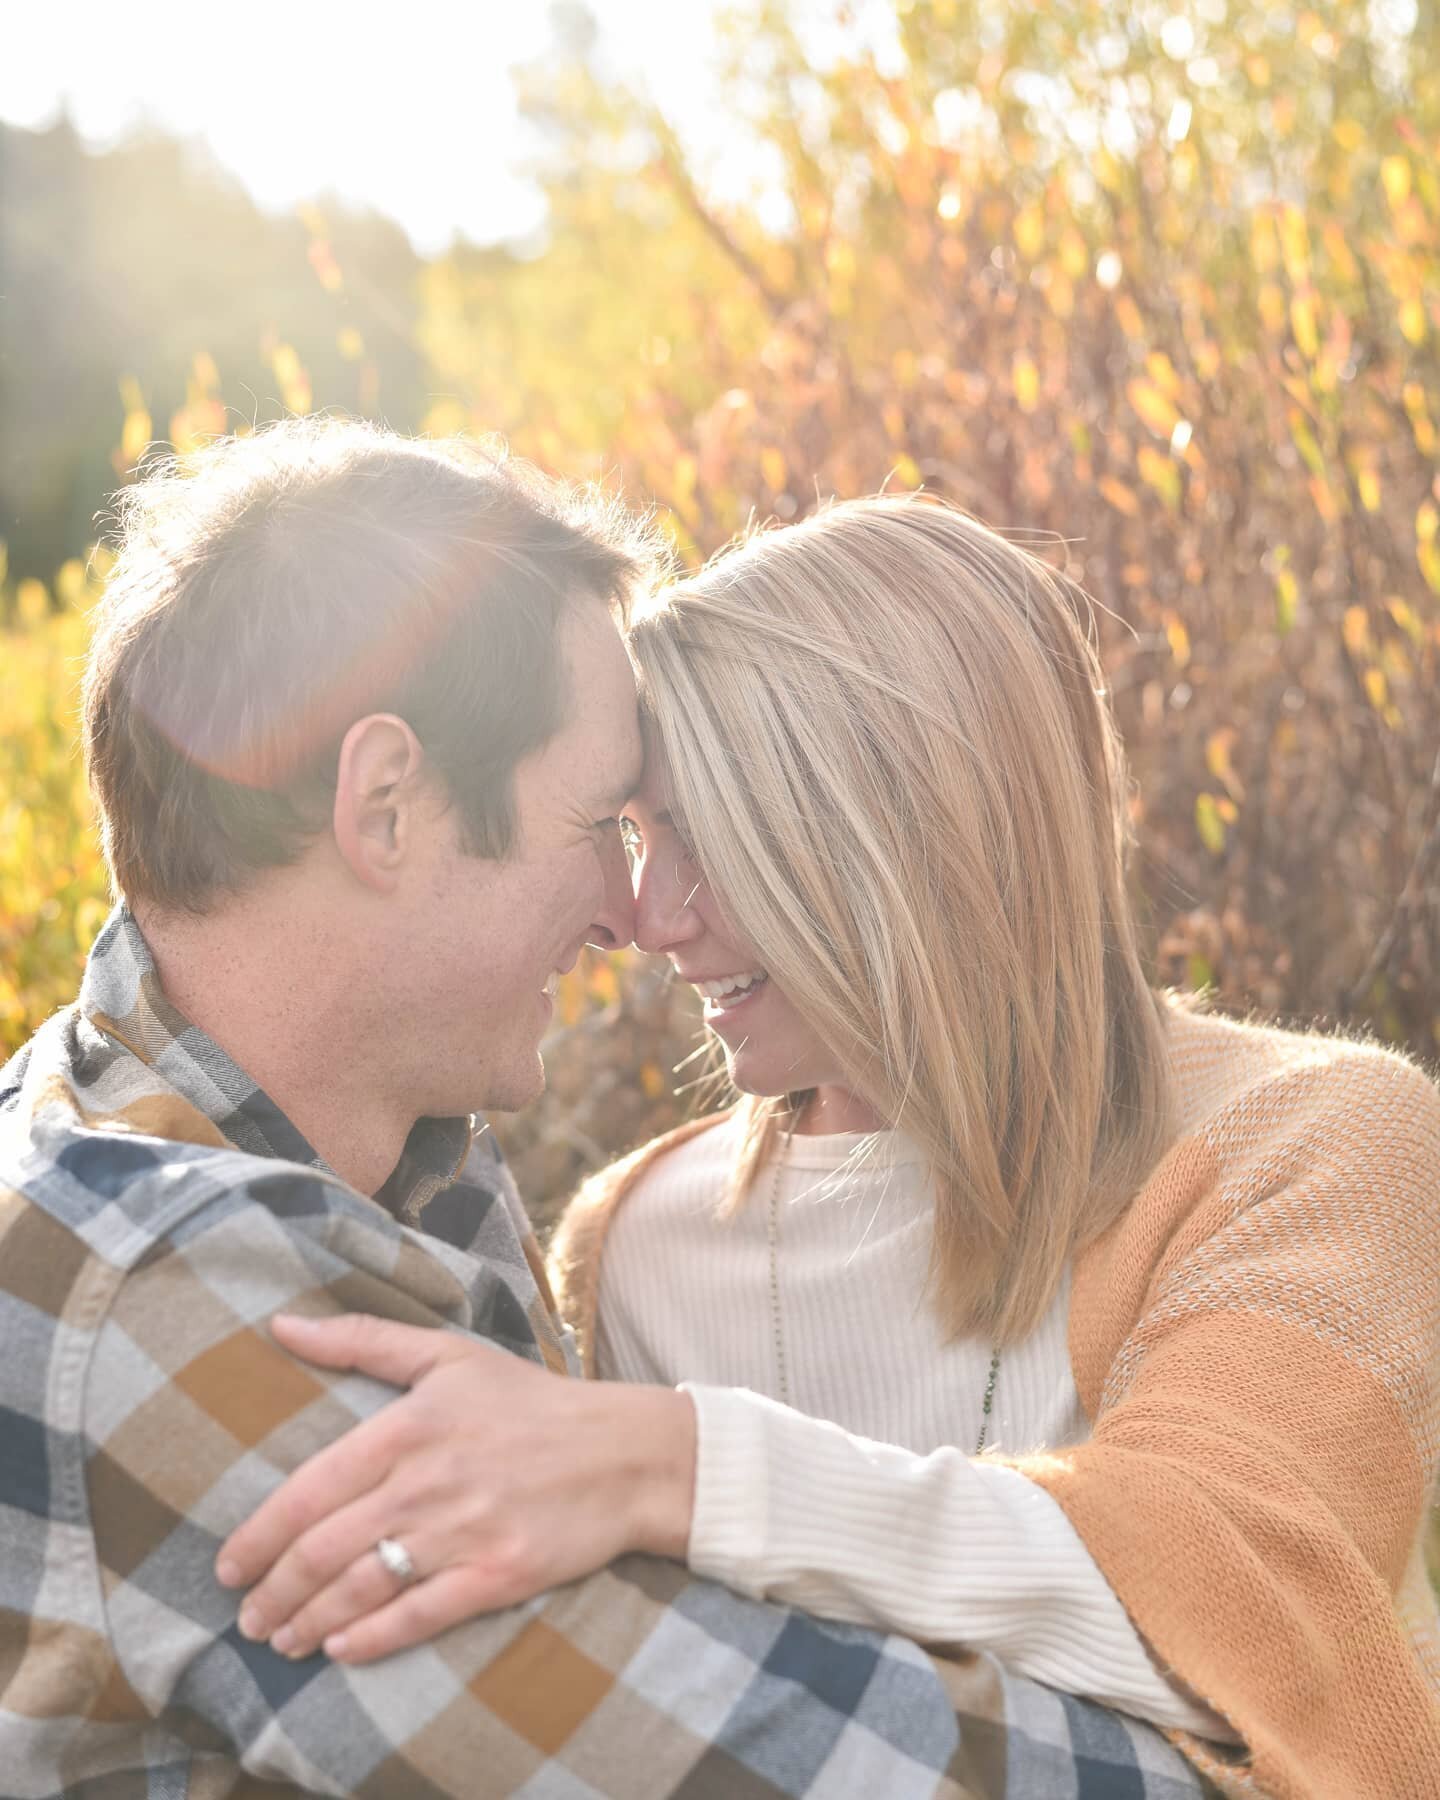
(732, 987)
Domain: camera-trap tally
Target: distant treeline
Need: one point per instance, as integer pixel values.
(117, 268)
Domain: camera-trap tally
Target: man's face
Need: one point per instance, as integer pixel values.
(499, 932)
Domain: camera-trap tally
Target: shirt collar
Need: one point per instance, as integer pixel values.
(122, 997)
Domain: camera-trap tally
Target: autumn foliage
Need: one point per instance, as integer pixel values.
(1160, 291)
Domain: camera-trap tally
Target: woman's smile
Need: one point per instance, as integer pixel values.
(724, 995)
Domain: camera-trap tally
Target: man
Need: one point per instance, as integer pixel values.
(358, 725)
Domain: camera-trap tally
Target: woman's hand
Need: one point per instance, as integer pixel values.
(499, 1478)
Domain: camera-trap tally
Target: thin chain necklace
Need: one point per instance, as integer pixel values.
(783, 1378)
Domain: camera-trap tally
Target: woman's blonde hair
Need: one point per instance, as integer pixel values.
(889, 746)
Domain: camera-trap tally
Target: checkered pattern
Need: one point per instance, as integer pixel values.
(155, 1209)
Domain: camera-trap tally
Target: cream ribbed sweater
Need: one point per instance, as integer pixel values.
(813, 1292)
(1256, 1343)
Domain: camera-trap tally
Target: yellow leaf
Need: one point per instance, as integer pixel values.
(1355, 629)
(773, 469)
(1074, 253)
(1030, 231)
(683, 478)
(1339, 252)
(1376, 689)
(1162, 372)
(1209, 824)
(1217, 759)
(1178, 638)
(1367, 485)
(1413, 396)
(1412, 320)
(1026, 378)
(1158, 471)
(603, 985)
(1395, 176)
(1287, 598)
(840, 261)
(1271, 304)
(1323, 495)
(1302, 323)
(652, 1080)
(350, 344)
(1349, 134)
(1264, 249)
(571, 1000)
(907, 471)
(135, 435)
(1406, 618)
(1427, 551)
(1155, 408)
(1304, 440)
(1123, 499)
(1294, 243)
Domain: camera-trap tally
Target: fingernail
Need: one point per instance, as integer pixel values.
(334, 1646)
(227, 1573)
(284, 1640)
(252, 1624)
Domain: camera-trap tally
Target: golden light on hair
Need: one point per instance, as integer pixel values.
(886, 731)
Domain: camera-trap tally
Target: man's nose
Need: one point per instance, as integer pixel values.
(614, 924)
(664, 917)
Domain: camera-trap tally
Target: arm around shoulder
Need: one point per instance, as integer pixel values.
(633, 1680)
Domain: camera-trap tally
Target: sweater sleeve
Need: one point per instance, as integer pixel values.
(1259, 1346)
(944, 1548)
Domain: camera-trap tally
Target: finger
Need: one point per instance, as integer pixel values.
(399, 1354)
(420, 1612)
(318, 1558)
(362, 1588)
(334, 1478)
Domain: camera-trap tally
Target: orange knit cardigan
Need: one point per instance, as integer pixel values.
(1255, 1342)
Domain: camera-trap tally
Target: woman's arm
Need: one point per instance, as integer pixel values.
(944, 1548)
(510, 1480)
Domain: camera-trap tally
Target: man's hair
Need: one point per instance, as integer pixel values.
(888, 743)
(272, 589)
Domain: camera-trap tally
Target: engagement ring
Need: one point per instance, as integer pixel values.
(396, 1558)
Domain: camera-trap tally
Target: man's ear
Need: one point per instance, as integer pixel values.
(377, 793)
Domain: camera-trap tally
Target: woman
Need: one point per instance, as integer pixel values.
(1175, 1277)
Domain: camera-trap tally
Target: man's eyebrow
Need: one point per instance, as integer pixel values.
(617, 796)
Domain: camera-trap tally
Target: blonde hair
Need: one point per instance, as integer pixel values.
(889, 746)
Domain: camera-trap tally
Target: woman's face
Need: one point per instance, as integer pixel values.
(769, 1048)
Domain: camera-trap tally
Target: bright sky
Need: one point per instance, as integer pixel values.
(408, 108)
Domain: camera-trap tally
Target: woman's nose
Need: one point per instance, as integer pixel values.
(664, 889)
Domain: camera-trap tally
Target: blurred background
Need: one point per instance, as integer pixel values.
(1156, 284)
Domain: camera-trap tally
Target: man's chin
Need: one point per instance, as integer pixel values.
(513, 1090)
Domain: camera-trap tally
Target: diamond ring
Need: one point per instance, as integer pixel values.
(395, 1559)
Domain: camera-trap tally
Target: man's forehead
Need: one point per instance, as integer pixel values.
(620, 780)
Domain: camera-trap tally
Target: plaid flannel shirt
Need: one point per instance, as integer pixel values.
(155, 1209)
